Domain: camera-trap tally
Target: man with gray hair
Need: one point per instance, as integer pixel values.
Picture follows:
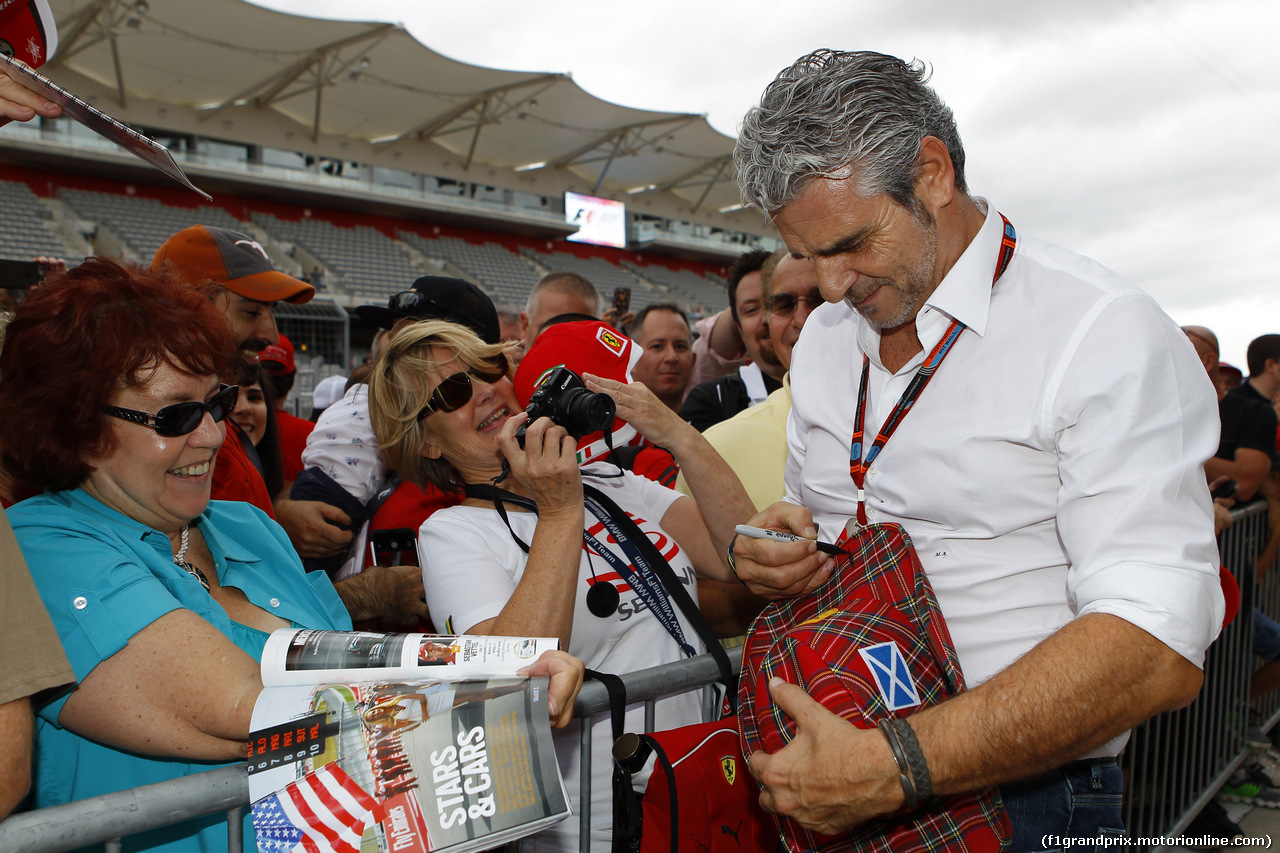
(557, 293)
(1041, 439)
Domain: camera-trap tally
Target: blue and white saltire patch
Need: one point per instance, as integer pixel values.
(889, 668)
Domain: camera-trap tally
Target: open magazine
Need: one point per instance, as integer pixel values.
(404, 743)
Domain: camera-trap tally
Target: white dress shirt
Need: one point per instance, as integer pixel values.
(1053, 466)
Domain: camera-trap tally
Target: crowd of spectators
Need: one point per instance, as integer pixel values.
(169, 510)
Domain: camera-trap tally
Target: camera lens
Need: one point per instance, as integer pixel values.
(582, 412)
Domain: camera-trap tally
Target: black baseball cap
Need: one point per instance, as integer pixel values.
(437, 297)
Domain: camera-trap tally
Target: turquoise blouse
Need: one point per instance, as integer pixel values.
(104, 577)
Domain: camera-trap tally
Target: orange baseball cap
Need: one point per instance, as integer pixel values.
(236, 261)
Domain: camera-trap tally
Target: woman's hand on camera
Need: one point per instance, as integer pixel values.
(638, 406)
(547, 465)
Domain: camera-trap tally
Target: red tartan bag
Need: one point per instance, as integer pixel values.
(871, 643)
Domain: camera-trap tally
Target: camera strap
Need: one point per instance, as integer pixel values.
(652, 579)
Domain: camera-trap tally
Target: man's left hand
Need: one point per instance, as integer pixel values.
(832, 776)
(392, 595)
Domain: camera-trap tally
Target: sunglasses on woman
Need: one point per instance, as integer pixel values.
(454, 391)
(182, 418)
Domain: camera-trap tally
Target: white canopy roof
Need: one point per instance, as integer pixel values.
(375, 83)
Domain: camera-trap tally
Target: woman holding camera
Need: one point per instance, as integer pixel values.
(526, 556)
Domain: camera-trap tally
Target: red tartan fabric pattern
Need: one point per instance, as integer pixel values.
(877, 613)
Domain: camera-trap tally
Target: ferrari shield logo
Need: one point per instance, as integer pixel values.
(611, 341)
(729, 767)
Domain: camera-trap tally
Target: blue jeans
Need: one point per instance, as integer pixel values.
(1266, 636)
(1070, 808)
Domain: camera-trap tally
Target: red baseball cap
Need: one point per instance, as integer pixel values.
(236, 261)
(277, 360)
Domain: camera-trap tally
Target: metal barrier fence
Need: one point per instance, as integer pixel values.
(1174, 764)
(107, 819)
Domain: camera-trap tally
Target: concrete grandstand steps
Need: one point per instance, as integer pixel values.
(361, 261)
(701, 294)
(26, 231)
(602, 273)
(142, 223)
(505, 275)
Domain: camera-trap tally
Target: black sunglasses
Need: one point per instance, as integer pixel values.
(454, 391)
(783, 304)
(182, 418)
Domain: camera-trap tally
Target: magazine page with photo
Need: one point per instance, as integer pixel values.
(369, 760)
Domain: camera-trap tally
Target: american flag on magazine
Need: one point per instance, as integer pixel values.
(323, 811)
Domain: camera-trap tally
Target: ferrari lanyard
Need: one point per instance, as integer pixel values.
(858, 466)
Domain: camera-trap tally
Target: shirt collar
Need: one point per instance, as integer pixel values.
(964, 294)
(229, 546)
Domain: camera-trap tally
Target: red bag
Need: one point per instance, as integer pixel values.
(870, 644)
(700, 796)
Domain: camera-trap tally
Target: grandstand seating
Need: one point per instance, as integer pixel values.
(366, 263)
(23, 232)
(504, 275)
(701, 294)
(363, 264)
(143, 223)
(604, 275)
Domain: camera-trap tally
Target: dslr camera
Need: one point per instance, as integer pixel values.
(564, 398)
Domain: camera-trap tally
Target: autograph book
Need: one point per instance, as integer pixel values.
(143, 147)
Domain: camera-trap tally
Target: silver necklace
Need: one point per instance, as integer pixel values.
(180, 559)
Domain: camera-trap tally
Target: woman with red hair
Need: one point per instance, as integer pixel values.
(162, 598)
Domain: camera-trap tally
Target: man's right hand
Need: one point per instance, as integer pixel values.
(777, 570)
(18, 103)
(307, 523)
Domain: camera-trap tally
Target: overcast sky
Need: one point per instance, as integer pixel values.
(1143, 134)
